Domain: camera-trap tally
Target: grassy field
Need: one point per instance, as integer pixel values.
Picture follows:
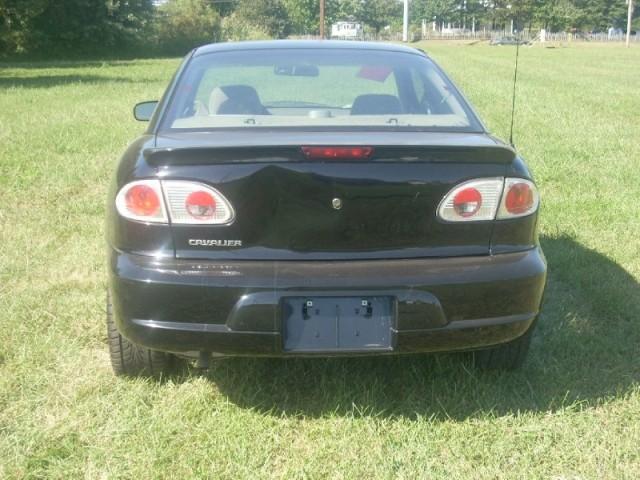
(573, 412)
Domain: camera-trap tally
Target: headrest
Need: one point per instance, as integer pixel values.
(235, 100)
(376, 104)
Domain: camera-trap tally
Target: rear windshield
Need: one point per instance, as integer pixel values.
(310, 88)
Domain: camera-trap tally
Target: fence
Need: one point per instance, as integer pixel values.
(529, 36)
(590, 37)
(479, 35)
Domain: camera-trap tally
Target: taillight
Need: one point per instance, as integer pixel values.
(142, 201)
(520, 198)
(472, 201)
(337, 153)
(489, 199)
(200, 205)
(186, 203)
(196, 203)
(467, 202)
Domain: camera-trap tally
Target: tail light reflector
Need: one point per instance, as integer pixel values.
(520, 198)
(196, 203)
(142, 201)
(200, 205)
(467, 202)
(474, 200)
(335, 153)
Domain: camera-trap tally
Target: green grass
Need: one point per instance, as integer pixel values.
(573, 412)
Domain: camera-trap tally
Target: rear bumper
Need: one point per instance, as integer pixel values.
(235, 307)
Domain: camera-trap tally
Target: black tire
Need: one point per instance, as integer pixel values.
(133, 360)
(509, 356)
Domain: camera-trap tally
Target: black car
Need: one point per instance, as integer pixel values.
(314, 198)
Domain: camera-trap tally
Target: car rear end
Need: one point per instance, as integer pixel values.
(298, 228)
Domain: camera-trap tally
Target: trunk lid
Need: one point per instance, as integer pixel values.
(286, 207)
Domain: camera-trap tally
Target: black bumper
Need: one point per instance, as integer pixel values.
(235, 307)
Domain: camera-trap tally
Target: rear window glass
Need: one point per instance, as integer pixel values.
(315, 88)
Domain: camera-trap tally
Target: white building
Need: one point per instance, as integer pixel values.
(347, 30)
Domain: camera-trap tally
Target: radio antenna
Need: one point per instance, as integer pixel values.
(513, 98)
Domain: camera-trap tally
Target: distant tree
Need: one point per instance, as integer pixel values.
(270, 15)
(557, 15)
(71, 26)
(63, 27)
(377, 14)
(303, 16)
(599, 15)
(224, 8)
(15, 23)
(438, 10)
(374, 13)
(235, 29)
(184, 24)
(344, 10)
(522, 13)
(349, 9)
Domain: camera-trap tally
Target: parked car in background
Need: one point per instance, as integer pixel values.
(509, 40)
(313, 199)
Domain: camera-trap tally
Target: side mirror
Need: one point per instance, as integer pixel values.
(144, 110)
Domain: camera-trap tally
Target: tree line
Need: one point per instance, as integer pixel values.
(553, 15)
(77, 27)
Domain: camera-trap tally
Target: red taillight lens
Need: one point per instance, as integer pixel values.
(193, 203)
(143, 201)
(467, 202)
(334, 153)
(519, 198)
(200, 205)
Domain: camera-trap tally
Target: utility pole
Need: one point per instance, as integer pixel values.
(405, 22)
(629, 17)
(321, 18)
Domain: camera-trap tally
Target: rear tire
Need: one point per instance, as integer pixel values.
(509, 356)
(133, 360)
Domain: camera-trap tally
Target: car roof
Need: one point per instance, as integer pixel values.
(319, 44)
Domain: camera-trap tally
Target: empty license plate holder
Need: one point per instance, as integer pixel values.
(337, 324)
